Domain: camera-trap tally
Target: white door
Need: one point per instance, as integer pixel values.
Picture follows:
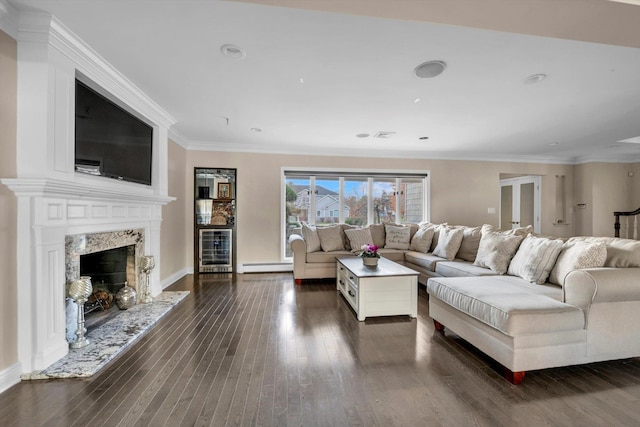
(520, 202)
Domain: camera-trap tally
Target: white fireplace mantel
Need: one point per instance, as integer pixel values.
(53, 200)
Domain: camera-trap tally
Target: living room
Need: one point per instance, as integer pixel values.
(463, 190)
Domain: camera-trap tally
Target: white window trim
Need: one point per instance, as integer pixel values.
(398, 173)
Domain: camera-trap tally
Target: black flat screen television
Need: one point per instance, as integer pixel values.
(110, 141)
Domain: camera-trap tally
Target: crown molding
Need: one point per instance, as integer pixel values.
(426, 155)
(608, 159)
(178, 138)
(9, 17)
(38, 27)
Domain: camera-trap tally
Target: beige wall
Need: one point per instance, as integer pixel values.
(175, 222)
(605, 188)
(461, 192)
(8, 205)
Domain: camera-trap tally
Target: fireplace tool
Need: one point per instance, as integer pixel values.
(79, 291)
(147, 264)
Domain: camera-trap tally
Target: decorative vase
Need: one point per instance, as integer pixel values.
(370, 262)
(126, 297)
(79, 290)
(147, 264)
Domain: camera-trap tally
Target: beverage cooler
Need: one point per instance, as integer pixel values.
(216, 251)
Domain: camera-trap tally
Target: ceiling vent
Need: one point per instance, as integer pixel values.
(384, 135)
(429, 69)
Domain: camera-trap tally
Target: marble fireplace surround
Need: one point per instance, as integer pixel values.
(82, 244)
(77, 245)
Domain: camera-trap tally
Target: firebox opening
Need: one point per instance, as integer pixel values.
(109, 271)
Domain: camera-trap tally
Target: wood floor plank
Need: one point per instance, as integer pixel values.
(257, 350)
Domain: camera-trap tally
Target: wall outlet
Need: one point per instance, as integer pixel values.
(491, 210)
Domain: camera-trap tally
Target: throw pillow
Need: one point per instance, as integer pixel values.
(421, 241)
(397, 237)
(377, 233)
(621, 253)
(436, 234)
(496, 250)
(535, 258)
(358, 237)
(449, 242)
(470, 243)
(576, 256)
(311, 238)
(345, 239)
(331, 238)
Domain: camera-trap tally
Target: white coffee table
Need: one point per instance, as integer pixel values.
(390, 289)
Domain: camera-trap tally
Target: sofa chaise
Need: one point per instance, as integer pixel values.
(529, 302)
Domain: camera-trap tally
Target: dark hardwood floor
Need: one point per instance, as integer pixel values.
(259, 350)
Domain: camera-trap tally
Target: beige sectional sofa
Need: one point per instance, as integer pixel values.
(529, 302)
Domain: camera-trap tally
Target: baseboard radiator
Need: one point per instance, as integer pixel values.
(266, 267)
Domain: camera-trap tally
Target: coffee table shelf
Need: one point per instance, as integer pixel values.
(390, 289)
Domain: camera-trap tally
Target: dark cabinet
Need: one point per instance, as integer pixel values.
(214, 220)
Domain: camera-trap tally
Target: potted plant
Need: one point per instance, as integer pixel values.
(369, 254)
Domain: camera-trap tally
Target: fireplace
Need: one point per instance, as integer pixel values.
(110, 259)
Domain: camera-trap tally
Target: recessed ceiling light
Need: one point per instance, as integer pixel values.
(362, 135)
(256, 130)
(429, 69)
(553, 144)
(535, 78)
(384, 135)
(415, 101)
(232, 51)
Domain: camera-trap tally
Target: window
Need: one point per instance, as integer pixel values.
(351, 197)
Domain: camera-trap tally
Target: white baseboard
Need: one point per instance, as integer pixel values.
(168, 281)
(266, 267)
(9, 377)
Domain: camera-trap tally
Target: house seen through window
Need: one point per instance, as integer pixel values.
(353, 198)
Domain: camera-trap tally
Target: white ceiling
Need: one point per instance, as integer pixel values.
(312, 80)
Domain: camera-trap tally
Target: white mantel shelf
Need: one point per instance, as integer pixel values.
(44, 187)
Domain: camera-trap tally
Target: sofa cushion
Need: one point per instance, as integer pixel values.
(427, 261)
(358, 237)
(508, 303)
(470, 243)
(392, 254)
(620, 252)
(421, 241)
(462, 268)
(331, 238)
(377, 233)
(449, 242)
(397, 237)
(535, 258)
(311, 238)
(577, 255)
(326, 257)
(496, 249)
